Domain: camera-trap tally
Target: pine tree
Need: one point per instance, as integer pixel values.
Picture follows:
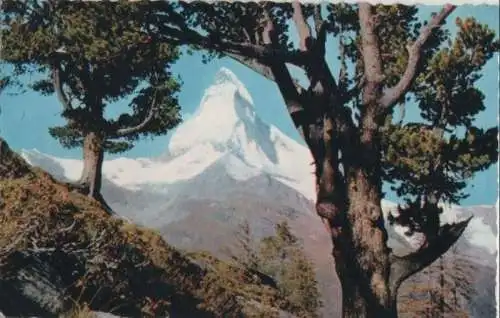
(91, 55)
(283, 258)
(244, 252)
(444, 289)
(280, 257)
(348, 118)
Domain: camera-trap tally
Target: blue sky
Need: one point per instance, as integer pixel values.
(24, 119)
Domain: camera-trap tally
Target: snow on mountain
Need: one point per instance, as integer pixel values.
(224, 139)
(226, 123)
(225, 128)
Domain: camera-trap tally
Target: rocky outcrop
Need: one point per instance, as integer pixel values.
(30, 285)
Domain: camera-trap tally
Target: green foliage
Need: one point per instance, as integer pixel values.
(282, 258)
(247, 251)
(446, 91)
(102, 53)
(437, 156)
(237, 21)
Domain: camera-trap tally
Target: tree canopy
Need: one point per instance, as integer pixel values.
(91, 55)
(282, 258)
(445, 89)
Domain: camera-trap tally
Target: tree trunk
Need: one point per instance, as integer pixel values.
(362, 256)
(365, 291)
(90, 182)
(93, 155)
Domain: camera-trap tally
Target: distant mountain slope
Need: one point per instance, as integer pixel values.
(223, 165)
(62, 255)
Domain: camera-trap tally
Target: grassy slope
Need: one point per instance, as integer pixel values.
(108, 263)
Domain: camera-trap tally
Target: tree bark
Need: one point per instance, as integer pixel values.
(93, 156)
(90, 182)
(361, 254)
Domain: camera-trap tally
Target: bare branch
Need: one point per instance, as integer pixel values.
(370, 45)
(393, 94)
(402, 112)
(257, 37)
(56, 81)
(321, 38)
(288, 89)
(404, 267)
(302, 26)
(247, 35)
(253, 64)
(343, 65)
(149, 117)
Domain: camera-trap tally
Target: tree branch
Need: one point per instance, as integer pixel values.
(247, 35)
(318, 19)
(405, 266)
(321, 29)
(370, 45)
(135, 129)
(302, 26)
(188, 36)
(56, 81)
(260, 68)
(289, 88)
(268, 34)
(393, 94)
(254, 65)
(343, 65)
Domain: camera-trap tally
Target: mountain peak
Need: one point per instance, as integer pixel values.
(227, 127)
(225, 119)
(225, 75)
(225, 79)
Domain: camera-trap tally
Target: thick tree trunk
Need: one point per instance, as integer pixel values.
(365, 286)
(93, 156)
(354, 304)
(362, 256)
(90, 182)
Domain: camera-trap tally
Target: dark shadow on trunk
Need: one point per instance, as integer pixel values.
(90, 182)
(362, 256)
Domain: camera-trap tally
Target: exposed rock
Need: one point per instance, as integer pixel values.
(30, 285)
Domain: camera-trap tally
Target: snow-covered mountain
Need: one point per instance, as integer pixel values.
(225, 143)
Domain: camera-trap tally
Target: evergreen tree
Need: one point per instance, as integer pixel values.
(283, 258)
(90, 55)
(443, 289)
(280, 257)
(346, 116)
(244, 251)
